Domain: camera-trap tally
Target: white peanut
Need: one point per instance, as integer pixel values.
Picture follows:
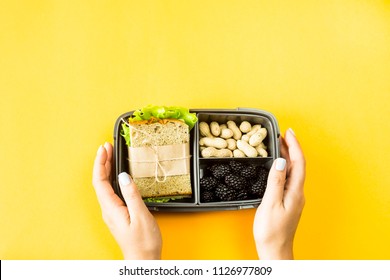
(261, 151)
(261, 145)
(222, 126)
(258, 137)
(245, 127)
(231, 144)
(245, 137)
(226, 133)
(205, 129)
(213, 152)
(216, 142)
(236, 131)
(238, 153)
(248, 150)
(215, 130)
(254, 129)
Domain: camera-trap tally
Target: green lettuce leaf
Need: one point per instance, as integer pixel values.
(126, 133)
(163, 112)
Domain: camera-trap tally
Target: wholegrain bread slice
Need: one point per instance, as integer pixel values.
(161, 133)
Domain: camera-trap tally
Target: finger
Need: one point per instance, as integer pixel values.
(108, 164)
(99, 167)
(132, 196)
(284, 150)
(297, 168)
(276, 181)
(104, 192)
(294, 147)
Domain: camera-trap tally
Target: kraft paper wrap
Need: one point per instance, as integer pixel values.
(159, 161)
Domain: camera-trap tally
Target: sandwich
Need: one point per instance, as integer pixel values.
(158, 140)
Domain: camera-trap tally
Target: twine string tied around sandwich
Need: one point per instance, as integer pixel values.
(158, 166)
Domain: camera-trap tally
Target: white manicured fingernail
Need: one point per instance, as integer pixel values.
(124, 179)
(280, 164)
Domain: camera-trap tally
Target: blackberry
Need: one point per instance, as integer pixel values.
(242, 194)
(207, 196)
(236, 166)
(257, 188)
(250, 171)
(235, 181)
(225, 193)
(208, 183)
(262, 174)
(220, 170)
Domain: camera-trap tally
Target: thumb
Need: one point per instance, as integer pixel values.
(132, 196)
(276, 182)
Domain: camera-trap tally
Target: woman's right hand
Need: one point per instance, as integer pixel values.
(278, 215)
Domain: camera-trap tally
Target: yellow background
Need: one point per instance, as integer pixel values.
(68, 69)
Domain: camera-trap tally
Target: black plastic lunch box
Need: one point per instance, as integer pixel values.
(198, 164)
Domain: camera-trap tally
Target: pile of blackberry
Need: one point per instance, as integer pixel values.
(235, 180)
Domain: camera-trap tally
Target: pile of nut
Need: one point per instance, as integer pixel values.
(230, 140)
